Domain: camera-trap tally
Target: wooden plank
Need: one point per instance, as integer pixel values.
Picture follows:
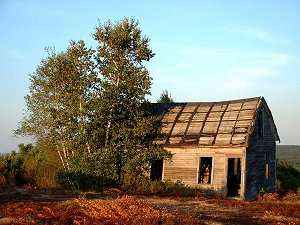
(222, 115)
(177, 116)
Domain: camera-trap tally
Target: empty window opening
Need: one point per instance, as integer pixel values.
(260, 124)
(156, 170)
(234, 177)
(205, 170)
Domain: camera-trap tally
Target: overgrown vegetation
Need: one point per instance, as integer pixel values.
(144, 186)
(31, 165)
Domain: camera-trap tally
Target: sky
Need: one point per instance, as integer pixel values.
(205, 51)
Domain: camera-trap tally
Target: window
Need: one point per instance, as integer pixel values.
(266, 160)
(205, 170)
(260, 123)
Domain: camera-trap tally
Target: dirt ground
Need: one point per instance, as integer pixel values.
(272, 210)
(225, 212)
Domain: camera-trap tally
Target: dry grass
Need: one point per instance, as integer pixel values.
(123, 211)
(271, 209)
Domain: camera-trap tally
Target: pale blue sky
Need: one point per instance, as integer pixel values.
(205, 50)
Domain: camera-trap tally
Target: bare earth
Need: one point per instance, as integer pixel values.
(272, 210)
(217, 212)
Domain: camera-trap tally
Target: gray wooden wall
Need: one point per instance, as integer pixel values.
(261, 150)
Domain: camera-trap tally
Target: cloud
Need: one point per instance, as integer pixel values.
(256, 33)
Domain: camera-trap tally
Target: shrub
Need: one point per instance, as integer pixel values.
(87, 171)
(146, 187)
(30, 165)
(80, 181)
(157, 187)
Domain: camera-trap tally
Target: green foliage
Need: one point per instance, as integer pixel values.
(121, 53)
(89, 104)
(12, 165)
(165, 97)
(93, 171)
(163, 188)
(60, 102)
(288, 177)
(29, 166)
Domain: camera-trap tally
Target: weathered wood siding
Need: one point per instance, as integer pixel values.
(185, 162)
(261, 150)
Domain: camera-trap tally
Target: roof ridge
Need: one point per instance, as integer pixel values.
(205, 102)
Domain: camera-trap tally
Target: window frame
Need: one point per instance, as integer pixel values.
(211, 173)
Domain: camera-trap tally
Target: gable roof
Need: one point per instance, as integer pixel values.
(224, 123)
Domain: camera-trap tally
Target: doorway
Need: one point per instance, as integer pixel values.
(234, 177)
(156, 170)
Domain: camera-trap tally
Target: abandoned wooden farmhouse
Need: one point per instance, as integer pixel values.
(227, 146)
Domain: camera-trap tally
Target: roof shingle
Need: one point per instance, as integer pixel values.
(207, 123)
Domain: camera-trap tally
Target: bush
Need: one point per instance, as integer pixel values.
(86, 171)
(30, 165)
(80, 181)
(146, 187)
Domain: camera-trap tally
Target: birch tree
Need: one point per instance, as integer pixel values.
(90, 103)
(121, 55)
(58, 103)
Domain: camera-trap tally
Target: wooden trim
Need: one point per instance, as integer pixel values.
(198, 170)
(212, 169)
(163, 171)
(242, 187)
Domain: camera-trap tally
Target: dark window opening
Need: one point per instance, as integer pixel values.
(205, 170)
(156, 170)
(260, 124)
(234, 177)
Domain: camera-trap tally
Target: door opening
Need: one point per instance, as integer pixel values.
(234, 177)
(156, 170)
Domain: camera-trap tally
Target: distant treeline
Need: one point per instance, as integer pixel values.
(290, 154)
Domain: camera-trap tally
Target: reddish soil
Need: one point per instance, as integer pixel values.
(271, 210)
(153, 210)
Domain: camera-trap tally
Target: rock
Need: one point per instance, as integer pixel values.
(20, 190)
(6, 220)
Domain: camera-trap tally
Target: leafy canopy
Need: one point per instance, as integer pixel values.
(165, 97)
(91, 102)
